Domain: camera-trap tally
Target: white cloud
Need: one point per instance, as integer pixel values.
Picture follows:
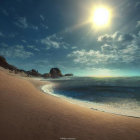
(42, 17)
(93, 57)
(115, 48)
(24, 41)
(1, 34)
(107, 48)
(115, 38)
(33, 47)
(16, 51)
(105, 38)
(11, 35)
(74, 47)
(50, 43)
(138, 24)
(22, 23)
(54, 42)
(90, 57)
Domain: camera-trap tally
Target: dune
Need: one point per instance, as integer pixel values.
(26, 113)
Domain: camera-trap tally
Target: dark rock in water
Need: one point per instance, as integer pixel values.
(34, 73)
(69, 74)
(46, 75)
(55, 73)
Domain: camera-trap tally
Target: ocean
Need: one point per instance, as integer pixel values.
(117, 95)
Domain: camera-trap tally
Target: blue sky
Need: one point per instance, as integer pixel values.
(55, 33)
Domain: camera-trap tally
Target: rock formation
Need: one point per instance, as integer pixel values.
(55, 73)
(34, 73)
(46, 75)
(4, 64)
(69, 74)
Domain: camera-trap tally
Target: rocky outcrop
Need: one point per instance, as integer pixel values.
(4, 64)
(69, 74)
(55, 73)
(34, 73)
(46, 75)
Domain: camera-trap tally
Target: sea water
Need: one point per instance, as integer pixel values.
(118, 95)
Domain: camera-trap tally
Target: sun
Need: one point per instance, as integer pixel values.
(101, 16)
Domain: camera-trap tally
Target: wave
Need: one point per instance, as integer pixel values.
(105, 94)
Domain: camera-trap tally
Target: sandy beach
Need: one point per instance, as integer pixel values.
(26, 113)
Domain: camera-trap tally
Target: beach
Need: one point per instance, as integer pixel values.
(26, 113)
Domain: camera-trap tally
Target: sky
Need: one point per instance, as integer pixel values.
(41, 34)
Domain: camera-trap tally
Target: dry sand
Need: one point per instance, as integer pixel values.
(28, 114)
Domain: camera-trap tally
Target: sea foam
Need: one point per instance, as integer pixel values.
(114, 95)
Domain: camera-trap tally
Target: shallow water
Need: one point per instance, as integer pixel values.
(120, 95)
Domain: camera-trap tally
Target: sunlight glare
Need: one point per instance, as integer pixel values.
(101, 16)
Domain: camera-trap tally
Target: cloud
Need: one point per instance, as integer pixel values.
(44, 26)
(24, 41)
(117, 40)
(42, 17)
(74, 47)
(117, 48)
(105, 38)
(1, 34)
(34, 27)
(16, 51)
(22, 23)
(107, 48)
(33, 47)
(54, 42)
(90, 57)
(50, 42)
(93, 57)
(5, 12)
(126, 38)
(138, 24)
(9, 35)
(117, 37)
(137, 4)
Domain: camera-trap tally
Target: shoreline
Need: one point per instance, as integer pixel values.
(79, 102)
(26, 113)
